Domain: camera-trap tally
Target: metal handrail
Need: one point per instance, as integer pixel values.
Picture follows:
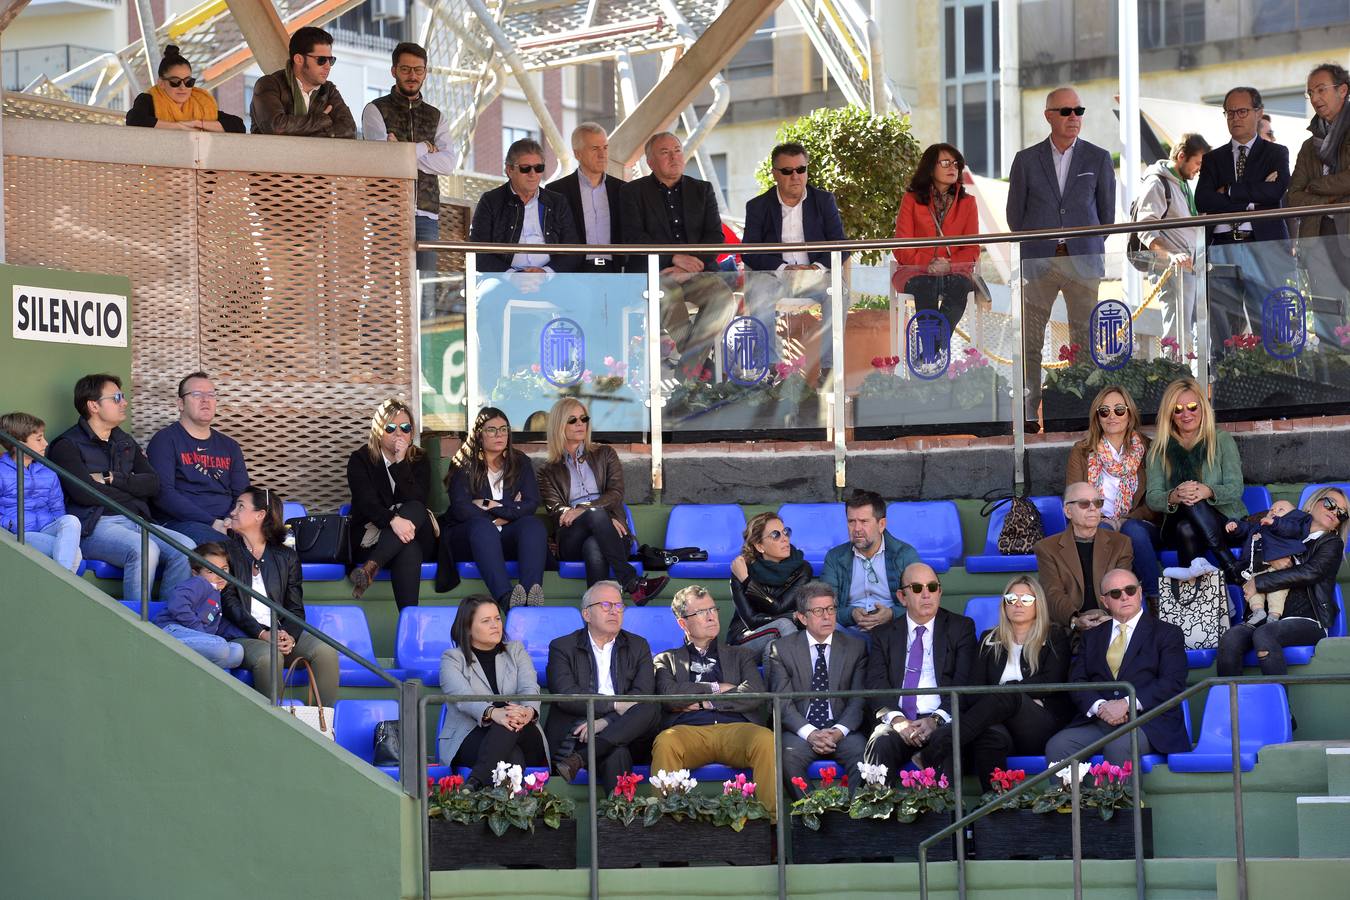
(407, 691)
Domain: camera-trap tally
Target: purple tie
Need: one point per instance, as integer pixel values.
(909, 704)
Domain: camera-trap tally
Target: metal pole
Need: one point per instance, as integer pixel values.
(1019, 373)
(471, 355)
(837, 315)
(145, 15)
(1239, 825)
(655, 400)
(422, 803)
(274, 661)
(412, 736)
(780, 825)
(147, 574)
(20, 458)
(960, 802)
(591, 775)
(1137, 814)
(1076, 825)
(1201, 275)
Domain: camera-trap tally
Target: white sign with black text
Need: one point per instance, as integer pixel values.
(69, 317)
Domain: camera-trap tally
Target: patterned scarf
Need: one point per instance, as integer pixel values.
(199, 105)
(1125, 467)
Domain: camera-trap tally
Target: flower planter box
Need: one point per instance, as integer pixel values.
(1274, 389)
(938, 409)
(669, 842)
(1023, 834)
(455, 846)
(734, 416)
(843, 839)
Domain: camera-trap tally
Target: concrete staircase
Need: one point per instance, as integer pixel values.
(1324, 821)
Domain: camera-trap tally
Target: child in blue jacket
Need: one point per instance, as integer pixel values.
(46, 525)
(193, 612)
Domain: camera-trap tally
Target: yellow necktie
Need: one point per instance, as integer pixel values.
(1115, 654)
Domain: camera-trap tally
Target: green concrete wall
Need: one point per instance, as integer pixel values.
(134, 769)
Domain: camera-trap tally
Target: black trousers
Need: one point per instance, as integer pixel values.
(995, 727)
(591, 538)
(624, 742)
(404, 561)
(946, 294)
(1193, 530)
(490, 744)
(1269, 637)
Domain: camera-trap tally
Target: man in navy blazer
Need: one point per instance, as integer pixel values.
(788, 212)
(1062, 182)
(1246, 173)
(1149, 654)
(598, 209)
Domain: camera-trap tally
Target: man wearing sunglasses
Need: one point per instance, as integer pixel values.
(928, 647)
(601, 658)
(1137, 648)
(1062, 182)
(200, 470)
(299, 100)
(1072, 562)
(112, 463)
(791, 211)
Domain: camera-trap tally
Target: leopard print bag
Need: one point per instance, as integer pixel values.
(1022, 527)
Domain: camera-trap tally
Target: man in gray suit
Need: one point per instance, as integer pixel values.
(1062, 182)
(817, 659)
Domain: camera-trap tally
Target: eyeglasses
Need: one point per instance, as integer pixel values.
(822, 612)
(1185, 407)
(791, 170)
(584, 420)
(180, 82)
(949, 164)
(871, 572)
(1024, 599)
(1318, 89)
(116, 398)
(322, 60)
(1067, 111)
(411, 70)
(918, 588)
(1119, 409)
(606, 605)
(1329, 504)
(1240, 113)
(405, 427)
(496, 430)
(538, 168)
(201, 395)
(708, 614)
(776, 534)
(1128, 590)
(1086, 504)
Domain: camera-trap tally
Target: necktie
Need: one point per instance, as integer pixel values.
(909, 704)
(818, 713)
(1115, 654)
(1240, 167)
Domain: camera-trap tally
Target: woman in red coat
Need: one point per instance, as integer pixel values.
(937, 205)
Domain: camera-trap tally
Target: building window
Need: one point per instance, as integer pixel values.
(511, 135)
(719, 166)
(970, 81)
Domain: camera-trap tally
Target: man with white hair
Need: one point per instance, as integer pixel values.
(596, 198)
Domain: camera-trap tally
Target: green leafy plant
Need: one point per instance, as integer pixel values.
(919, 792)
(1245, 356)
(831, 796)
(971, 382)
(513, 801)
(1144, 379)
(1104, 787)
(1004, 781)
(674, 797)
(846, 146)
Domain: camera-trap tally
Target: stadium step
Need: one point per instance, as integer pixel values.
(1324, 827)
(1338, 771)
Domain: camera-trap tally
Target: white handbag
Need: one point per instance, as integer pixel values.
(314, 713)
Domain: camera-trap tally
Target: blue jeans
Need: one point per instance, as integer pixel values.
(764, 290)
(60, 540)
(117, 540)
(223, 653)
(426, 229)
(198, 532)
(525, 540)
(1146, 540)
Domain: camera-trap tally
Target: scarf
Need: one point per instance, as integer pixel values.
(940, 204)
(1125, 467)
(298, 106)
(1328, 151)
(776, 574)
(1185, 190)
(1185, 465)
(199, 105)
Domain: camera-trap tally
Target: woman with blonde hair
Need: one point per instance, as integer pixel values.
(582, 489)
(1026, 647)
(391, 527)
(763, 577)
(1195, 480)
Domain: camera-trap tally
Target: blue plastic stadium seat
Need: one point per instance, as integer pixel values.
(1263, 718)
(423, 635)
(931, 527)
(1256, 497)
(345, 509)
(470, 569)
(348, 626)
(816, 528)
(537, 626)
(101, 569)
(984, 610)
(292, 510)
(156, 607)
(1032, 765)
(1342, 486)
(715, 527)
(1301, 656)
(428, 573)
(323, 571)
(243, 675)
(813, 770)
(354, 724)
(1148, 760)
(1052, 515)
(576, 569)
(655, 623)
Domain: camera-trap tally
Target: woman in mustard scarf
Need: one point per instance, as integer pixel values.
(175, 103)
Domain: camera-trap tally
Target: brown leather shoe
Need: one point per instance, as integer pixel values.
(362, 576)
(569, 766)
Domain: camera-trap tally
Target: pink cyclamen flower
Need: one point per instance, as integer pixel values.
(535, 368)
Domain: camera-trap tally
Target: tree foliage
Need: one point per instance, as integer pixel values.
(864, 159)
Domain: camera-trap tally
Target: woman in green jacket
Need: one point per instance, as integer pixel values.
(1194, 478)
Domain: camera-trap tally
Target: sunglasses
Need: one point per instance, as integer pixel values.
(116, 398)
(1186, 407)
(390, 428)
(776, 534)
(1024, 599)
(1086, 504)
(180, 82)
(918, 587)
(1119, 409)
(606, 605)
(948, 164)
(1329, 504)
(537, 168)
(791, 170)
(1128, 590)
(1067, 111)
(322, 60)
(584, 420)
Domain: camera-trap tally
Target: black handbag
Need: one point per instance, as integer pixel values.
(387, 743)
(660, 559)
(321, 539)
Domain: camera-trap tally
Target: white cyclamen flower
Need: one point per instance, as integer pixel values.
(1065, 772)
(872, 775)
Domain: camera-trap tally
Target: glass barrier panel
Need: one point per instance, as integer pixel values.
(544, 336)
(443, 354)
(928, 342)
(745, 351)
(1280, 325)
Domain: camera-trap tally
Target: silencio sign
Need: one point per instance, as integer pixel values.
(69, 317)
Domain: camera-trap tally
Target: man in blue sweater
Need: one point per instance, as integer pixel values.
(201, 471)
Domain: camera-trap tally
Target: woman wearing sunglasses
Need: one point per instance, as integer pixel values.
(175, 102)
(1194, 478)
(582, 487)
(1026, 647)
(762, 581)
(1310, 607)
(936, 204)
(1111, 457)
(493, 496)
(260, 558)
(391, 527)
